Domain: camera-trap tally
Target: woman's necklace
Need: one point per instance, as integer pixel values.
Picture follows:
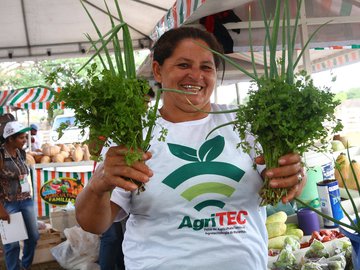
(13, 160)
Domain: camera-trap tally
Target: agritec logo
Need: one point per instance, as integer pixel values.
(202, 163)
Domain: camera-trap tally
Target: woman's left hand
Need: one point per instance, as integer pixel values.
(290, 175)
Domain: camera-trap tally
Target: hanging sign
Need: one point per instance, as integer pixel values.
(61, 190)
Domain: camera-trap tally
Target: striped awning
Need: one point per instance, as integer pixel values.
(5, 96)
(33, 98)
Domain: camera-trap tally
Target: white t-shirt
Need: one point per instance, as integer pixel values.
(37, 142)
(201, 208)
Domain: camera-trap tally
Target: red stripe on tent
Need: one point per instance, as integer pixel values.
(175, 15)
(327, 4)
(44, 95)
(82, 177)
(4, 94)
(38, 181)
(188, 8)
(53, 174)
(26, 98)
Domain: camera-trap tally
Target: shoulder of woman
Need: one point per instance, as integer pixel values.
(222, 107)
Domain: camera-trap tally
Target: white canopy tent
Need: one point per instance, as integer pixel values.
(43, 29)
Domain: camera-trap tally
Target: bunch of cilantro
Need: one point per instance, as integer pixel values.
(286, 113)
(111, 101)
(112, 106)
(286, 118)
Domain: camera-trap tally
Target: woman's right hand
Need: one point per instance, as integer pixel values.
(114, 171)
(4, 215)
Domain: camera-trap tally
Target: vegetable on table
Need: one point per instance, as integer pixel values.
(279, 216)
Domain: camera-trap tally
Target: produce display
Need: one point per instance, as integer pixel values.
(289, 249)
(336, 256)
(59, 153)
(279, 231)
(343, 169)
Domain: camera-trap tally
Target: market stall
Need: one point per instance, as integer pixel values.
(45, 175)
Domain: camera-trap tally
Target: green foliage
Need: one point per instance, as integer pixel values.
(112, 106)
(111, 101)
(286, 118)
(353, 93)
(287, 113)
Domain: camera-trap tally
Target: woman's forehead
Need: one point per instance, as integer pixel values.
(190, 48)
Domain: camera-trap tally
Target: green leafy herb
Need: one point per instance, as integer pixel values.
(111, 102)
(286, 113)
(286, 118)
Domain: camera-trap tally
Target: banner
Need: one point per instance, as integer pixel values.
(43, 179)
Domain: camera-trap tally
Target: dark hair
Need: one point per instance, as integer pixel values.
(167, 43)
(14, 136)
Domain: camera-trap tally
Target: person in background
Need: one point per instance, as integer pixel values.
(36, 140)
(15, 194)
(201, 208)
(111, 255)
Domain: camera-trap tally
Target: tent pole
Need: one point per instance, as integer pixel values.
(304, 32)
(29, 133)
(237, 93)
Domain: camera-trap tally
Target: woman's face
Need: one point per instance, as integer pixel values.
(20, 140)
(191, 69)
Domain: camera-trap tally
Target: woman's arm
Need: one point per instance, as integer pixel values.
(94, 210)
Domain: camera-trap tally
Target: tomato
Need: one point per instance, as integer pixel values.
(304, 245)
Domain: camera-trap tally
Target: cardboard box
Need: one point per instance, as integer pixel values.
(48, 239)
(43, 253)
(62, 219)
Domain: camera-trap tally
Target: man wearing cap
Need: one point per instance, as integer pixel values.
(36, 140)
(15, 194)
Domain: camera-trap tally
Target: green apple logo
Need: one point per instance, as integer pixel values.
(202, 163)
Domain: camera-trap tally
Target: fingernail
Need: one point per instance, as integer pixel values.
(282, 161)
(269, 174)
(273, 184)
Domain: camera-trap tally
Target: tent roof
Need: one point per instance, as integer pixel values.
(337, 43)
(40, 29)
(37, 97)
(43, 29)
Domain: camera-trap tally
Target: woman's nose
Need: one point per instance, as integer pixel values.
(196, 74)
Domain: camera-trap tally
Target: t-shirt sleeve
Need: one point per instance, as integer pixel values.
(122, 198)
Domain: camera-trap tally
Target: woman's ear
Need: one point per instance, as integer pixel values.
(156, 68)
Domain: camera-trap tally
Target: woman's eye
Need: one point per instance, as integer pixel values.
(183, 65)
(206, 67)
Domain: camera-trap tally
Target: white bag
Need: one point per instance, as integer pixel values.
(79, 251)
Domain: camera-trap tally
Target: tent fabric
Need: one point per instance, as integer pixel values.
(335, 45)
(33, 98)
(45, 29)
(5, 96)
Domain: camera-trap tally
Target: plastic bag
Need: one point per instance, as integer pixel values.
(79, 251)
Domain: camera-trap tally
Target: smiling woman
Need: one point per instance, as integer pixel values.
(201, 193)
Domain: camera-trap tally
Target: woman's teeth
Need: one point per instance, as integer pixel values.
(192, 88)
